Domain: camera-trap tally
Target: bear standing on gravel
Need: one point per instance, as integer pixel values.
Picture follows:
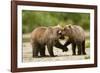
(76, 37)
(46, 36)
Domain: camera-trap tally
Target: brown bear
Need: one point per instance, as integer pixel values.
(46, 36)
(76, 37)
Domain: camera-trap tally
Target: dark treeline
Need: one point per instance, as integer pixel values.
(33, 19)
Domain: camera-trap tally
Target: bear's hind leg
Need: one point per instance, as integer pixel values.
(42, 51)
(79, 45)
(35, 52)
(74, 48)
(83, 48)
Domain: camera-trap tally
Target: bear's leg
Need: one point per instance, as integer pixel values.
(34, 49)
(67, 42)
(50, 50)
(83, 48)
(74, 48)
(42, 51)
(79, 45)
(60, 46)
(35, 52)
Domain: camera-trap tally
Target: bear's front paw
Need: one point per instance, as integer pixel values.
(65, 49)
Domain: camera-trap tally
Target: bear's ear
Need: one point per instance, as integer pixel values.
(58, 26)
(70, 26)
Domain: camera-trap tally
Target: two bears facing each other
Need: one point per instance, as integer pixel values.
(49, 36)
(46, 36)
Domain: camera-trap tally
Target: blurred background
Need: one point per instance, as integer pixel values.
(33, 19)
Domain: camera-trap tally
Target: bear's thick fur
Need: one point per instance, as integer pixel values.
(76, 37)
(46, 36)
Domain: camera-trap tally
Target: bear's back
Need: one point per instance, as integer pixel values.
(38, 33)
(78, 33)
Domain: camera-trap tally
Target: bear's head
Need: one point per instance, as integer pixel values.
(58, 31)
(67, 31)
